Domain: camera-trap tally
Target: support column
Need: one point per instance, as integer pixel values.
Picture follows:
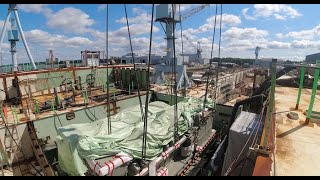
(314, 91)
(271, 100)
(300, 86)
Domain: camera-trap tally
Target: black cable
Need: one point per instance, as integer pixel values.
(175, 78)
(134, 65)
(145, 123)
(219, 60)
(107, 55)
(207, 83)
(184, 78)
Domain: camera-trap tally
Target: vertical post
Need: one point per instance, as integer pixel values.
(271, 100)
(23, 38)
(314, 91)
(300, 86)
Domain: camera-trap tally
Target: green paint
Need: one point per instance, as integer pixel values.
(300, 86)
(314, 90)
(15, 114)
(129, 89)
(52, 105)
(2, 115)
(271, 100)
(36, 106)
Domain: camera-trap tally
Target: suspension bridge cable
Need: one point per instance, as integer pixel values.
(145, 123)
(108, 86)
(134, 65)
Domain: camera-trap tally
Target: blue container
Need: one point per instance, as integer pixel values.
(13, 35)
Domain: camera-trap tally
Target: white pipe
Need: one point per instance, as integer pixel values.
(24, 40)
(107, 168)
(4, 29)
(164, 155)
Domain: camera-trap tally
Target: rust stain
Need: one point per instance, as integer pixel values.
(310, 124)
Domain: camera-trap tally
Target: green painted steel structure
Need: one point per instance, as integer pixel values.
(314, 92)
(300, 86)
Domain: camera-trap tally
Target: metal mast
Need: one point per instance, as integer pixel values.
(14, 33)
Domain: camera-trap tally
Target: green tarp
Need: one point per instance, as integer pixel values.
(91, 140)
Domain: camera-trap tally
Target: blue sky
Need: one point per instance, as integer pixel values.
(283, 31)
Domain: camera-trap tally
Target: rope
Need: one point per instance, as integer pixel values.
(134, 65)
(107, 55)
(207, 82)
(184, 78)
(145, 123)
(176, 127)
(219, 60)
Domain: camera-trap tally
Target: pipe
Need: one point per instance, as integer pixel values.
(24, 40)
(164, 155)
(117, 161)
(4, 28)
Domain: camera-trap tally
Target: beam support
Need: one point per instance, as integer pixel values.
(314, 92)
(300, 86)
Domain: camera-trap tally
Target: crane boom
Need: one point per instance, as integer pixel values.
(189, 41)
(193, 11)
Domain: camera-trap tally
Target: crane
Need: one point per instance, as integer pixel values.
(197, 47)
(193, 11)
(164, 14)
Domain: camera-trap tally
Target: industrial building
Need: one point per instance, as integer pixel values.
(311, 59)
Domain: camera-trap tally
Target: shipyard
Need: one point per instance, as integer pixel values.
(186, 110)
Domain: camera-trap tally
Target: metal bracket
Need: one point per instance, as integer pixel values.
(265, 150)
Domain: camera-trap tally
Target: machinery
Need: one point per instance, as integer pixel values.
(13, 36)
(167, 14)
(199, 50)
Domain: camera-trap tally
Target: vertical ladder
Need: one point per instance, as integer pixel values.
(41, 158)
(13, 149)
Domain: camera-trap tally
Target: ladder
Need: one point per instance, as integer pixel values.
(15, 150)
(41, 158)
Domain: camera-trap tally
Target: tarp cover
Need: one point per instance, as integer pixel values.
(92, 141)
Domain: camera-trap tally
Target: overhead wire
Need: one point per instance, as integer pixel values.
(145, 123)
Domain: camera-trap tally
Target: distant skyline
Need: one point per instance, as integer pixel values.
(283, 31)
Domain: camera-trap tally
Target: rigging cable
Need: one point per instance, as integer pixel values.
(219, 60)
(145, 123)
(108, 86)
(134, 65)
(207, 83)
(176, 128)
(184, 77)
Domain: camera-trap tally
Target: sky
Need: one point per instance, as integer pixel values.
(282, 31)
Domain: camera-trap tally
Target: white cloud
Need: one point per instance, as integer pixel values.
(246, 16)
(137, 10)
(305, 34)
(102, 7)
(71, 20)
(305, 44)
(278, 45)
(245, 33)
(279, 35)
(227, 20)
(141, 18)
(36, 8)
(46, 39)
(278, 11)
